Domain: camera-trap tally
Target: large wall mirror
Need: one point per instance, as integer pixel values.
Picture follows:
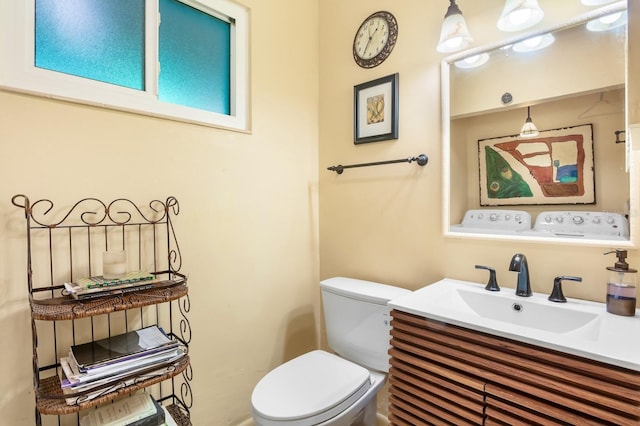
(573, 181)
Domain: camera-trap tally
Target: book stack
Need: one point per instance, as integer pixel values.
(140, 409)
(98, 286)
(105, 365)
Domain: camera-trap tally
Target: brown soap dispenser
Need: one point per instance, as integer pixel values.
(621, 287)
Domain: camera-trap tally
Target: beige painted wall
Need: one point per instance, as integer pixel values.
(248, 226)
(575, 70)
(384, 223)
(258, 210)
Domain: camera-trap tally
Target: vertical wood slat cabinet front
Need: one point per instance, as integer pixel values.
(447, 375)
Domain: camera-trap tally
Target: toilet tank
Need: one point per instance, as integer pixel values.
(357, 319)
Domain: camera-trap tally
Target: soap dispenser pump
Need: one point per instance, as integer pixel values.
(621, 287)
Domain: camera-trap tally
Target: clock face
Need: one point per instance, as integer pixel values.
(375, 39)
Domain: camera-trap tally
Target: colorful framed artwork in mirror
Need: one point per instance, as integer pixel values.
(556, 167)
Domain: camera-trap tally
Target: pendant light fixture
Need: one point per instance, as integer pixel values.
(520, 14)
(454, 35)
(529, 129)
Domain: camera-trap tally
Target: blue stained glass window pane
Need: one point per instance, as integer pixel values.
(96, 39)
(195, 64)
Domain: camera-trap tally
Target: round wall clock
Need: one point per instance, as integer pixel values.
(375, 39)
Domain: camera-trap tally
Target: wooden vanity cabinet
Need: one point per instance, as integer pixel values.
(443, 374)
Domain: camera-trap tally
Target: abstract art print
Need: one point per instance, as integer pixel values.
(555, 167)
(376, 110)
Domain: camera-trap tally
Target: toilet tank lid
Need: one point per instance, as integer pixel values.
(363, 290)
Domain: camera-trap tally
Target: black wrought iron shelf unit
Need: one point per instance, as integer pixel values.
(67, 244)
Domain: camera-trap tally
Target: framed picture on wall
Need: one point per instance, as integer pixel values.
(555, 167)
(376, 110)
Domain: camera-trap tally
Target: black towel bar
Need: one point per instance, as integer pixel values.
(421, 159)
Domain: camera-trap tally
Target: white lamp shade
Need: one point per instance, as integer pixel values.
(520, 14)
(608, 22)
(534, 43)
(472, 61)
(454, 35)
(596, 2)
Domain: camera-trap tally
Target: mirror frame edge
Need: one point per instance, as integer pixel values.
(445, 114)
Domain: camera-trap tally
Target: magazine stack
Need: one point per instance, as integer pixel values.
(95, 368)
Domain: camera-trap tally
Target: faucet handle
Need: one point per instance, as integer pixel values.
(492, 284)
(556, 294)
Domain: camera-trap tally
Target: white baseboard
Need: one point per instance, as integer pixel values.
(381, 420)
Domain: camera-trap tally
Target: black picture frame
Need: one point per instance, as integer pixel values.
(376, 110)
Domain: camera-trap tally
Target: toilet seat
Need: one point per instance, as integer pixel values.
(309, 389)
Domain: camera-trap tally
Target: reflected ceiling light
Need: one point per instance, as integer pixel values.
(519, 14)
(454, 35)
(608, 22)
(534, 43)
(472, 61)
(529, 129)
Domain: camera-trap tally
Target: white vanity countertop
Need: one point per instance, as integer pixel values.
(578, 327)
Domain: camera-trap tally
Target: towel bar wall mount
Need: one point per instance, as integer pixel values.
(421, 160)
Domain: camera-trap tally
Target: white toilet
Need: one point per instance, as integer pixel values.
(320, 388)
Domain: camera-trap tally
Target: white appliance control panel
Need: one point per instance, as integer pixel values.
(582, 224)
(501, 221)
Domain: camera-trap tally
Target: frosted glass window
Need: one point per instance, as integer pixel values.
(185, 60)
(194, 53)
(96, 39)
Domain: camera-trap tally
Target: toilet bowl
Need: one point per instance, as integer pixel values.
(322, 388)
(314, 388)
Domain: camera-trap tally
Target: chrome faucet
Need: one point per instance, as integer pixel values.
(519, 264)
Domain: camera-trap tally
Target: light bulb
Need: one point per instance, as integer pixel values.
(519, 17)
(454, 43)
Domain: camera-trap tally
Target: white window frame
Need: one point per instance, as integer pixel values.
(19, 73)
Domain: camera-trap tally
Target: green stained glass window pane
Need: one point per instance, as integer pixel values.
(195, 62)
(96, 39)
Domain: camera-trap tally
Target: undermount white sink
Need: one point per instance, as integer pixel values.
(578, 327)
